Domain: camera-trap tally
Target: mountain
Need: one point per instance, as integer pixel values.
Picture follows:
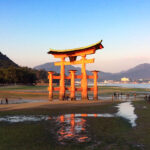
(11, 73)
(52, 67)
(5, 62)
(141, 71)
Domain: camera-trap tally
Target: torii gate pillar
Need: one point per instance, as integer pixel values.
(62, 80)
(72, 88)
(50, 88)
(95, 84)
(84, 80)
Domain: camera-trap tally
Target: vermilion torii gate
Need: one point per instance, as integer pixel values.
(72, 54)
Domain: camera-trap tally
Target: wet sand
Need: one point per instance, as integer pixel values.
(52, 104)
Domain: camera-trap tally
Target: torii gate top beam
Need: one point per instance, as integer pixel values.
(72, 53)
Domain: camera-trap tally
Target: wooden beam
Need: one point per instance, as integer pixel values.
(78, 89)
(67, 88)
(75, 62)
(56, 77)
(78, 76)
(90, 77)
(67, 77)
(75, 53)
(56, 88)
(90, 89)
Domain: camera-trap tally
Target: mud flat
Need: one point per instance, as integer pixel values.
(75, 125)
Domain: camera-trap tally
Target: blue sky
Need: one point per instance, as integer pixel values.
(28, 28)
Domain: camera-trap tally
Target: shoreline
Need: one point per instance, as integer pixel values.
(56, 104)
(53, 104)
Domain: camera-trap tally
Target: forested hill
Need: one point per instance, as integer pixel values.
(11, 73)
(5, 62)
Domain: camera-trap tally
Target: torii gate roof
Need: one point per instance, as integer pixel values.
(95, 46)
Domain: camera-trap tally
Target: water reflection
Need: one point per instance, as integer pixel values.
(20, 101)
(126, 110)
(72, 127)
(22, 118)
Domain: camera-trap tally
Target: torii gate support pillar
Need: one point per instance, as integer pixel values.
(50, 88)
(95, 88)
(72, 88)
(62, 80)
(84, 80)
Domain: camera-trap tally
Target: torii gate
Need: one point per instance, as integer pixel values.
(72, 54)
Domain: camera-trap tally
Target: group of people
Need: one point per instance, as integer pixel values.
(147, 97)
(4, 101)
(117, 95)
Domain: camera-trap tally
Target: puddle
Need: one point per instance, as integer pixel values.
(73, 127)
(16, 119)
(109, 97)
(126, 110)
(144, 107)
(20, 101)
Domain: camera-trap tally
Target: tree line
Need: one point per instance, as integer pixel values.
(23, 75)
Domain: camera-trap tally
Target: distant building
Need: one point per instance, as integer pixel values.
(124, 79)
(108, 81)
(140, 80)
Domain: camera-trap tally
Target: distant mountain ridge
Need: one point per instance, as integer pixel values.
(6, 62)
(141, 71)
(52, 67)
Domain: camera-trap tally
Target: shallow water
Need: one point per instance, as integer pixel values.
(20, 101)
(73, 127)
(22, 118)
(109, 97)
(126, 110)
(130, 85)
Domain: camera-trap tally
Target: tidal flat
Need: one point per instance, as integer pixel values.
(65, 126)
(18, 92)
(103, 132)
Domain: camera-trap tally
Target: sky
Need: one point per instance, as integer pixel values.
(29, 28)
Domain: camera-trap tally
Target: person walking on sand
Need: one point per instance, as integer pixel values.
(121, 94)
(115, 94)
(149, 98)
(118, 95)
(145, 97)
(6, 99)
(135, 95)
(127, 96)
